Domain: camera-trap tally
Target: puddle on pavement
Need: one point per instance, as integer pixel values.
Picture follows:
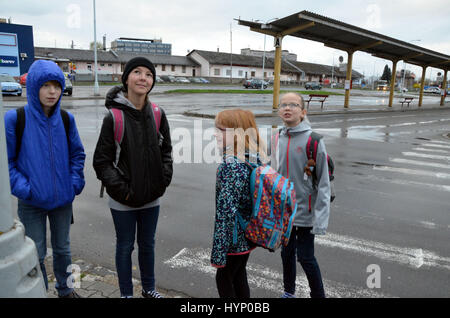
(372, 133)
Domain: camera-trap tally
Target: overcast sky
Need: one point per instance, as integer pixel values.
(205, 25)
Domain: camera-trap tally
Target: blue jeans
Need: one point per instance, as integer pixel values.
(301, 243)
(125, 224)
(35, 221)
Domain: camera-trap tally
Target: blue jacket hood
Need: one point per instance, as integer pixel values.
(40, 72)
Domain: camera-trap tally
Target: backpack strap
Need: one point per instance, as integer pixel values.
(312, 145)
(119, 131)
(20, 127)
(66, 122)
(157, 115)
(311, 153)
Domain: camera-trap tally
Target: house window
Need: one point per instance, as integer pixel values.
(173, 68)
(217, 71)
(240, 73)
(109, 64)
(253, 74)
(183, 69)
(163, 67)
(89, 67)
(102, 64)
(228, 72)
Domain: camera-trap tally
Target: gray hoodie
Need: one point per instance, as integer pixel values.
(291, 159)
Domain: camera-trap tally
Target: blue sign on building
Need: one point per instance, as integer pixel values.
(16, 48)
(8, 61)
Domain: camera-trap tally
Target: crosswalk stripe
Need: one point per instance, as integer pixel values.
(259, 276)
(424, 155)
(431, 150)
(419, 163)
(412, 257)
(439, 187)
(436, 145)
(417, 172)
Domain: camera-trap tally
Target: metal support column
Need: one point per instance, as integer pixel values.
(444, 84)
(348, 78)
(277, 70)
(20, 273)
(393, 76)
(422, 85)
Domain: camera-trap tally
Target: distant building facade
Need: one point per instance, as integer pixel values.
(133, 45)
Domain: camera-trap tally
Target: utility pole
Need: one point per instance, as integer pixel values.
(20, 273)
(231, 56)
(96, 90)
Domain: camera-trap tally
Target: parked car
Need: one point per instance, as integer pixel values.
(313, 85)
(159, 79)
(204, 80)
(432, 90)
(69, 87)
(195, 80)
(255, 83)
(182, 80)
(168, 78)
(23, 79)
(9, 85)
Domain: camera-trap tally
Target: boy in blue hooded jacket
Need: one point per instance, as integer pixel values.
(47, 172)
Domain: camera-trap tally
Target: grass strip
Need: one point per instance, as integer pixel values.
(243, 91)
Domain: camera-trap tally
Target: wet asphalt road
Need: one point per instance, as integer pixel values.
(392, 207)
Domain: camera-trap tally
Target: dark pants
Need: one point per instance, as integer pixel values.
(35, 221)
(232, 279)
(125, 224)
(301, 243)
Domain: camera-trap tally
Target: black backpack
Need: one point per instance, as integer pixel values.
(20, 127)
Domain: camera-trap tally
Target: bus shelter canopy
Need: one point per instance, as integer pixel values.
(346, 37)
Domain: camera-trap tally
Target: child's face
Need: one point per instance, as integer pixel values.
(140, 81)
(290, 110)
(49, 94)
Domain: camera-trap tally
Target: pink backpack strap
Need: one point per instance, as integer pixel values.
(119, 124)
(157, 115)
(119, 130)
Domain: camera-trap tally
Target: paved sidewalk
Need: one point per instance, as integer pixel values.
(328, 109)
(98, 282)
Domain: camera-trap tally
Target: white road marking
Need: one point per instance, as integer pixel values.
(439, 187)
(420, 163)
(436, 146)
(440, 142)
(440, 175)
(412, 257)
(432, 150)
(259, 276)
(424, 155)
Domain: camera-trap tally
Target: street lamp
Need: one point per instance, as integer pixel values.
(265, 26)
(404, 70)
(96, 90)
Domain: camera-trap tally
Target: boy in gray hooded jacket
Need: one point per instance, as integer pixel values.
(313, 198)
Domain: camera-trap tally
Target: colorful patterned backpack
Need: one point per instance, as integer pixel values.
(273, 208)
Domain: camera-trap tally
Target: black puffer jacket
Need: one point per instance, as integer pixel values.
(145, 166)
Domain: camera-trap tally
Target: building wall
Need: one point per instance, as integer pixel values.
(16, 44)
(177, 70)
(204, 69)
(246, 72)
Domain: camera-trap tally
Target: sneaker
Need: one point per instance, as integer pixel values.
(73, 294)
(151, 294)
(287, 295)
(126, 296)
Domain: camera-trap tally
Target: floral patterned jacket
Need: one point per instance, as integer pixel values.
(232, 195)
